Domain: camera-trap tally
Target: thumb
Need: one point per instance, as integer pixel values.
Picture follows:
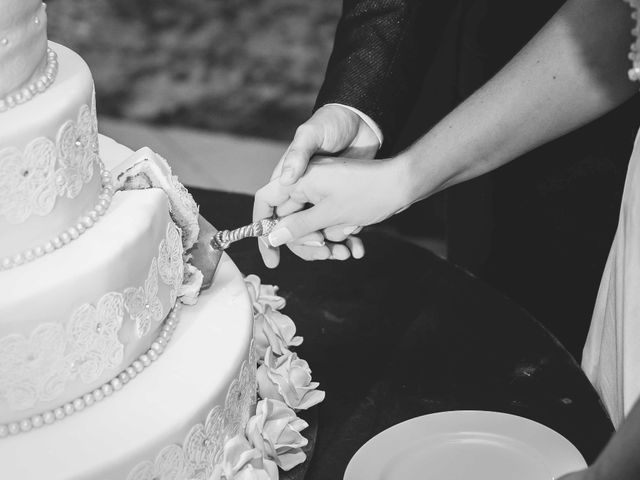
(306, 142)
(298, 225)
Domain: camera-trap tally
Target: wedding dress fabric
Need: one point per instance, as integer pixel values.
(611, 357)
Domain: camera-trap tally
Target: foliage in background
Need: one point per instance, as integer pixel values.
(243, 66)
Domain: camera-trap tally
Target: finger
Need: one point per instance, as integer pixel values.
(339, 251)
(339, 233)
(288, 207)
(277, 170)
(270, 255)
(299, 224)
(315, 239)
(307, 140)
(311, 253)
(264, 202)
(356, 246)
(269, 197)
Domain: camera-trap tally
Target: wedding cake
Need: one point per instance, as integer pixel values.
(112, 365)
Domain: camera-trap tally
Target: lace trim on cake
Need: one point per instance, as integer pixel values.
(38, 367)
(72, 233)
(105, 390)
(31, 180)
(38, 85)
(170, 261)
(634, 54)
(202, 448)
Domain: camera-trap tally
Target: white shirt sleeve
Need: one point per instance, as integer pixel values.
(366, 119)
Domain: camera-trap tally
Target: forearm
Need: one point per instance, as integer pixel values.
(571, 72)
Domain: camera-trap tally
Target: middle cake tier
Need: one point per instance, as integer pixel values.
(75, 318)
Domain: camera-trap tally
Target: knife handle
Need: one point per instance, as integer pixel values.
(261, 228)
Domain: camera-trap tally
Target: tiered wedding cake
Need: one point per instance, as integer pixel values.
(94, 276)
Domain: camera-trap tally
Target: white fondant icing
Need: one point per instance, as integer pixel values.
(110, 257)
(158, 409)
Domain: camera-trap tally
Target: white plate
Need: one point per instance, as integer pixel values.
(465, 445)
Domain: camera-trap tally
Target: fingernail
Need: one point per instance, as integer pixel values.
(280, 237)
(264, 241)
(313, 243)
(287, 174)
(349, 230)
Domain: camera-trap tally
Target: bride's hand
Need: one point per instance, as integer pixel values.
(341, 193)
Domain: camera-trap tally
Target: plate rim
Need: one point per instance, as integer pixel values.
(350, 471)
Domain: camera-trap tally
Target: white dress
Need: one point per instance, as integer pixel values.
(611, 357)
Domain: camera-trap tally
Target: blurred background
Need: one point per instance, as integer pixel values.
(248, 67)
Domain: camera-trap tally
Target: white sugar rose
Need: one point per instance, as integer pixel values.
(190, 288)
(263, 295)
(288, 378)
(276, 330)
(241, 462)
(275, 431)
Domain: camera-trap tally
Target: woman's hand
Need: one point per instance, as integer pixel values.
(339, 193)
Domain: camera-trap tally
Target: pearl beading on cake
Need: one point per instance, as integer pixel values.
(38, 85)
(72, 233)
(106, 389)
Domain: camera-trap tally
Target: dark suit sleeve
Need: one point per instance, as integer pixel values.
(381, 52)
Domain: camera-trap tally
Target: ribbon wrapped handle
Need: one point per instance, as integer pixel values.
(261, 228)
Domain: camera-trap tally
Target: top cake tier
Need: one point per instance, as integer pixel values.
(23, 43)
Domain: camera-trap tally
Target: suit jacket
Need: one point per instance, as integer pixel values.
(383, 49)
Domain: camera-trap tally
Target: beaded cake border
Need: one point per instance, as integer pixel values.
(106, 389)
(33, 88)
(72, 233)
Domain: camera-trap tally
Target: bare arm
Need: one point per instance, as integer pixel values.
(571, 72)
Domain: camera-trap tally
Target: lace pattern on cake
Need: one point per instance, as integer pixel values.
(170, 262)
(143, 304)
(202, 448)
(36, 368)
(31, 180)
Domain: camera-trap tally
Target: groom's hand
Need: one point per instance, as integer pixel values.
(332, 129)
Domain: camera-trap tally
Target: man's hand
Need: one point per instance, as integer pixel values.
(333, 129)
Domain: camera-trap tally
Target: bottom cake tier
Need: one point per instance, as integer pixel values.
(170, 421)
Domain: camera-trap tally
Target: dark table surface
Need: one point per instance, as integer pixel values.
(402, 333)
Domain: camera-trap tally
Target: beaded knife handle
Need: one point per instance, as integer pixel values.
(261, 228)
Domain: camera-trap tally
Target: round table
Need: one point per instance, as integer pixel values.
(403, 333)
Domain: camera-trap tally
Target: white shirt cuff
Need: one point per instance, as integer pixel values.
(366, 119)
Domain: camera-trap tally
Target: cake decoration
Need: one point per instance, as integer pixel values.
(82, 319)
(36, 86)
(78, 404)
